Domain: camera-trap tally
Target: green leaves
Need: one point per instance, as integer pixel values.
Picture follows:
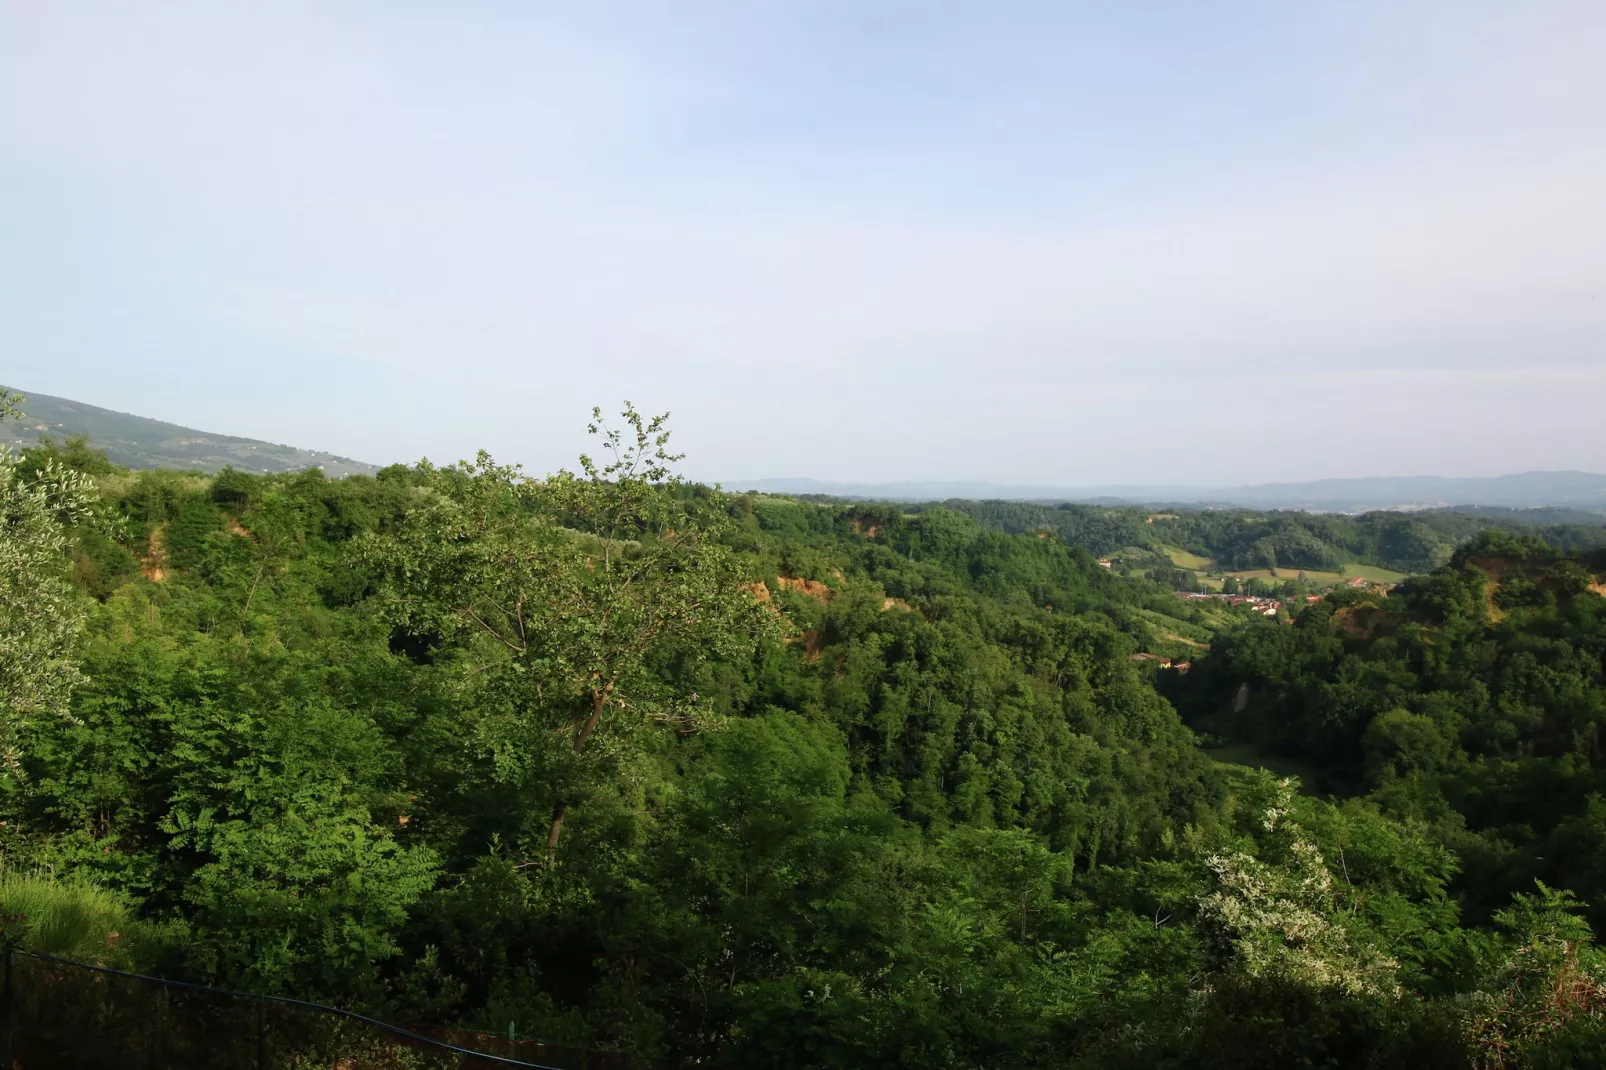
(40, 613)
(1544, 1003)
(563, 600)
(301, 893)
(471, 747)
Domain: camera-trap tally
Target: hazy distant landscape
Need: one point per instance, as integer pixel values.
(139, 442)
(1527, 490)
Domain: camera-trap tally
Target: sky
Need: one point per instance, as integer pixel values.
(1048, 242)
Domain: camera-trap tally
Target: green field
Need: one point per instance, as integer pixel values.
(1281, 574)
(1374, 573)
(1183, 559)
(1175, 638)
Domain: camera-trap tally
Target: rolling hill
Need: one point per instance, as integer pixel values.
(138, 442)
(1526, 490)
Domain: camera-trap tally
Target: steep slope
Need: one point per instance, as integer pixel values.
(138, 442)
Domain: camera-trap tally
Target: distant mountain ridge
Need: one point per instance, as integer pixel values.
(1525, 490)
(139, 442)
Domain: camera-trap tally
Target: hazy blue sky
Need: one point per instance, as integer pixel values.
(1031, 242)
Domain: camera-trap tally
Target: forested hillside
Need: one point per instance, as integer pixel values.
(1470, 700)
(139, 442)
(1236, 539)
(749, 781)
(1518, 492)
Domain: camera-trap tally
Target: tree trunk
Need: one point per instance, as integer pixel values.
(599, 702)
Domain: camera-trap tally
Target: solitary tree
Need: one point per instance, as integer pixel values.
(564, 601)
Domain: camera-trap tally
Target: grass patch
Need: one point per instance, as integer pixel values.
(1174, 629)
(1374, 573)
(1171, 637)
(1183, 559)
(72, 920)
(1281, 574)
(1247, 754)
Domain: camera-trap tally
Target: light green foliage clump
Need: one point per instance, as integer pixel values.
(39, 609)
(1279, 922)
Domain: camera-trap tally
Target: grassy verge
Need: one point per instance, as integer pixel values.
(1246, 754)
(73, 920)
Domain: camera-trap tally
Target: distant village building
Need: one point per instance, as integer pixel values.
(1260, 603)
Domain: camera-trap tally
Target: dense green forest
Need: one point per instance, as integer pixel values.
(1238, 539)
(1470, 700)
(752, 781)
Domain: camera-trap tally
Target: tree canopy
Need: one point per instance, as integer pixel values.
(739, 780)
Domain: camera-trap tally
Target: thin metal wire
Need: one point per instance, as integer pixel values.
(375, 1022)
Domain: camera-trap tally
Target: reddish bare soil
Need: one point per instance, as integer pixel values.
(812, 588)
(153, 564)
(1365, 620)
